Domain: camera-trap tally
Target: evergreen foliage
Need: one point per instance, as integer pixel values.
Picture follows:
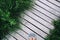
(55, 33)
(10, 10)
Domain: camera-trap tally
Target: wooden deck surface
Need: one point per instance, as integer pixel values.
(38, 20)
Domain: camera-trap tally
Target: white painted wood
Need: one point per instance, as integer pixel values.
(38, 19)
